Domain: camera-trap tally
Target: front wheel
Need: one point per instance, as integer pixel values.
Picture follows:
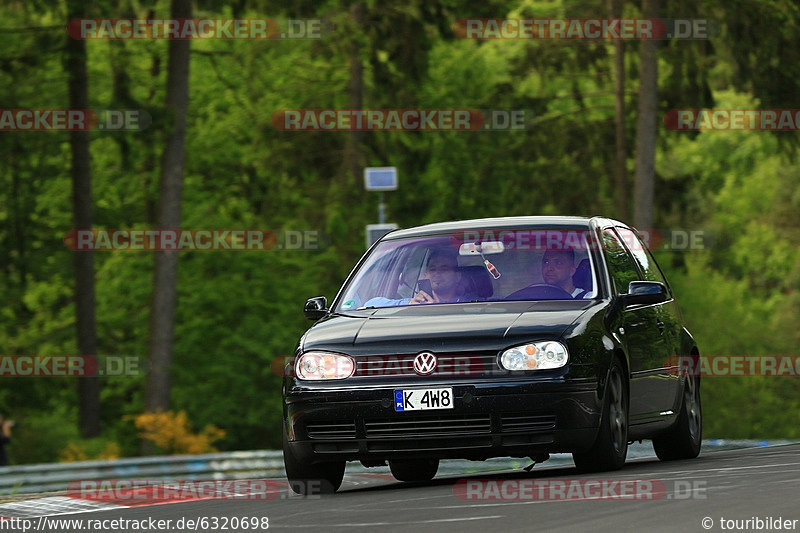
(311, 478)
(418, 470)
(683, 440)
(611, 446)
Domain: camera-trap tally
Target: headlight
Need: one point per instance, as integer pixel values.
(322, 365)
(543, 355)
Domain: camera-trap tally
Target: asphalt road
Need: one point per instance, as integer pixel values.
(761, 483)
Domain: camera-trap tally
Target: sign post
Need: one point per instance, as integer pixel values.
(380, 179)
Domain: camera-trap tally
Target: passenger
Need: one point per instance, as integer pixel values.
(445, 277)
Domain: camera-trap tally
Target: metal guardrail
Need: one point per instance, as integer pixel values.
(228, 465)
(258, 464)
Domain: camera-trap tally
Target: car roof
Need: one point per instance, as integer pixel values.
(499, 223)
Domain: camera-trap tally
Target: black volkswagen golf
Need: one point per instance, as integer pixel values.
(514, 337)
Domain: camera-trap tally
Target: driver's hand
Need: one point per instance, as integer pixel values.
(423, 297)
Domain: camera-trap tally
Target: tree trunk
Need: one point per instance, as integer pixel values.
(646, 126)
(353, 149)
(620, 173)
(165, 279)
(88, 387)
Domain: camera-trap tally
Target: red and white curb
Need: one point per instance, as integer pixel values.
(63, 505)
(52, 506)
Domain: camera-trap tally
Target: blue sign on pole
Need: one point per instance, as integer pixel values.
(380, 178)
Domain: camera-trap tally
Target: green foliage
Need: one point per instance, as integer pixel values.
(740, 296)
(726, 318)
(238, 311)
(42, 436)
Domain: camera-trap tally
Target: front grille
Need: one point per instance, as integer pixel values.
(513, 423)
(342, 429)
(447, 365)
(431, 426)
(433, 433)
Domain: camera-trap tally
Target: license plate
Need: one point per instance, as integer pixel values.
(423, 399)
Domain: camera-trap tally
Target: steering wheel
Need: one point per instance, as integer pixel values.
(540, 291)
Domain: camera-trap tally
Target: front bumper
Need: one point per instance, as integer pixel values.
(515, 417)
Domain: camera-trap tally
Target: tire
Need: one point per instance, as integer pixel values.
(610, 448)
(683, 440)
(311, 478)
(417, 470)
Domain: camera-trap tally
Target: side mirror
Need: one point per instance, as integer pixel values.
(645, 292)
(316, 308)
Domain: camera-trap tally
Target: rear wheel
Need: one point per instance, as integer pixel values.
(611, 446)
(311, 478)
(414, 470)
(683, 440)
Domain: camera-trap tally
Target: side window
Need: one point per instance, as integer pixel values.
(620, 266)
(642, 256)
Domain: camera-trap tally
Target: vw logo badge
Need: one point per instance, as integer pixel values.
(424, 363)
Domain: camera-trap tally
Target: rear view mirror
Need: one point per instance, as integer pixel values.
(316, 308)
(645, 292)
(481, 248)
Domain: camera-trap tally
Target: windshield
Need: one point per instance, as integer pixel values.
(475, 266)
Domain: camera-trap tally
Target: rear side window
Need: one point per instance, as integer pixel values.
(620, 265)
(642, 256)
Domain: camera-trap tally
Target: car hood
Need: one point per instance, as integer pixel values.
(451, 327)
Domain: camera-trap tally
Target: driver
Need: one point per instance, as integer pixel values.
(558, 267)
